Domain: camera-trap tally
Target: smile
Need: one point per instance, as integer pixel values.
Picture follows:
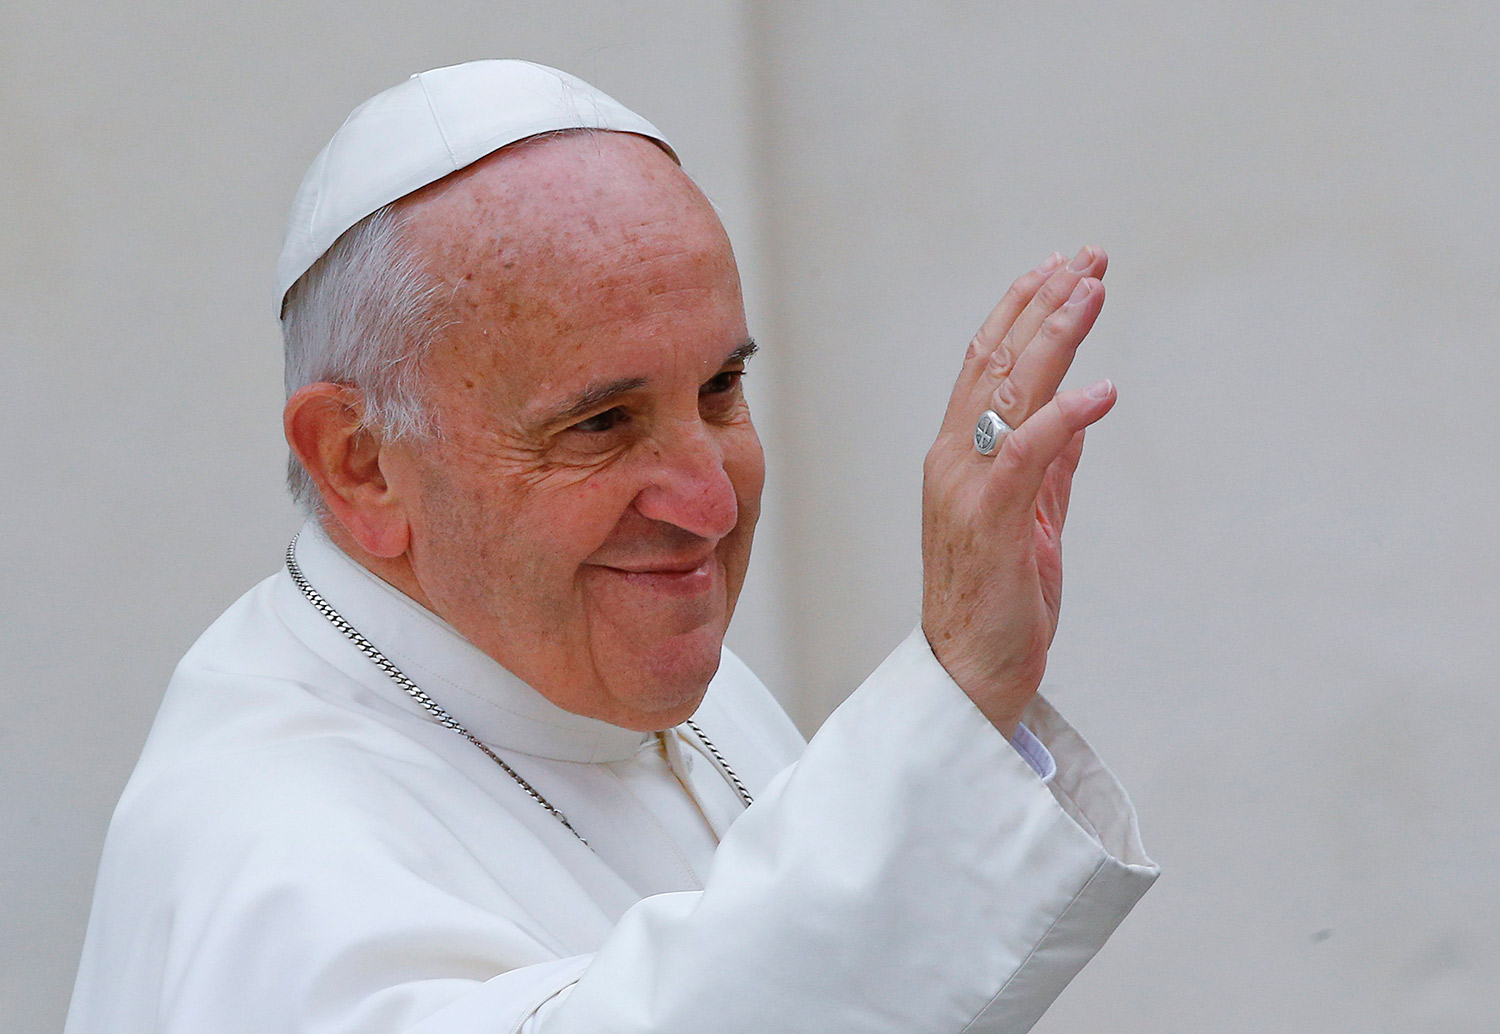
(687, 578)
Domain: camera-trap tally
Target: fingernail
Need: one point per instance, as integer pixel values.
(1101, 390)
(1051, 262)
(1083, 260)
(1081, 291)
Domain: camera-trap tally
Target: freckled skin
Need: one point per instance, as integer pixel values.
(599, 559)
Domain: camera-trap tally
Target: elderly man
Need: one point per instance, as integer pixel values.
(477, 759)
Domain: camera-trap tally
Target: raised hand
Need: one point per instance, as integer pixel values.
(992, 525)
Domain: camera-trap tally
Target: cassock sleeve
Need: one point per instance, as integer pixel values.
(910, 873)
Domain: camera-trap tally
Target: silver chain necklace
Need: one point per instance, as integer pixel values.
(445, 719)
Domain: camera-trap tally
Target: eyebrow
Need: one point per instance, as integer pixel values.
(597, 394)
(743, 352)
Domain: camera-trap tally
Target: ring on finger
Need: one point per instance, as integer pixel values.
(989, 431)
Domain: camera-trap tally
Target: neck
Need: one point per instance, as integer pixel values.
(394, 571)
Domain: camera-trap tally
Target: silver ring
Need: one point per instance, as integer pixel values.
(989, 431)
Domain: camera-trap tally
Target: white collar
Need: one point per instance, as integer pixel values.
(492, 703)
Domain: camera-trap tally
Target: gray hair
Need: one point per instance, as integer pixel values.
(364, 315)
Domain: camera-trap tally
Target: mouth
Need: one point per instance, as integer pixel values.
(676, 577)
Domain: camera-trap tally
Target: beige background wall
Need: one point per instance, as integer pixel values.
(1283, 570)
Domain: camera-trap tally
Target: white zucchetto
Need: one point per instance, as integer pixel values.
(433, 124)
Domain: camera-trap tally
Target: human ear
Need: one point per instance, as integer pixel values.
(325, 428)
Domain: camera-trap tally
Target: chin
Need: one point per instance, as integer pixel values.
(675, 677)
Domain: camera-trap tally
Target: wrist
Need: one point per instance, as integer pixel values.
(1001, 692)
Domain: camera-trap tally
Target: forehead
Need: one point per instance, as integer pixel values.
(564, 255)
(516, 214)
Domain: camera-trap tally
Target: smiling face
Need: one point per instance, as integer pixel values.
(585, 515)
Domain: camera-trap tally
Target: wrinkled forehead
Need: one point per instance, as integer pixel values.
(576, 208)
(571, 260)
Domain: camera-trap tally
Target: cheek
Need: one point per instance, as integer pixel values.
(745, 465)
(521, 514)
(461, 522)
(567, 525)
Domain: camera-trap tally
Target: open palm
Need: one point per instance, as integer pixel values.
(992, 525)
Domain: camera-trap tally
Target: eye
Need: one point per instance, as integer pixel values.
(600, 422)
(723, 383)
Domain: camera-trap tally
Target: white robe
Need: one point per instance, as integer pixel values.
(302, 848)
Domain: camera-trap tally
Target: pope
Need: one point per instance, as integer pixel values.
(476, 759)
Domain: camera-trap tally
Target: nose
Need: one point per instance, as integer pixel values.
(688, 486)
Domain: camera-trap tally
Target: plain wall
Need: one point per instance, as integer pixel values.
(1282, 571)
(1280, 619)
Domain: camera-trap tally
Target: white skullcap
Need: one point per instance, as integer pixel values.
(434, 124)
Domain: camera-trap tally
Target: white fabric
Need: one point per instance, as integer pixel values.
(433, 124)
(302, 849)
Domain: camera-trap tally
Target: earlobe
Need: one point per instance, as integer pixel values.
(325, 429)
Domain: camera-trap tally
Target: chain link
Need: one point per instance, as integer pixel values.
(724, 768)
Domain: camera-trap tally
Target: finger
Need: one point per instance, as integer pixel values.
(1041, 368)
(1057, 487)
(998, 323)
(994, 328)
(1022, 462)
(1051, 296)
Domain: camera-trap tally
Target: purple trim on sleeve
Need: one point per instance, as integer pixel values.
(1036, 755)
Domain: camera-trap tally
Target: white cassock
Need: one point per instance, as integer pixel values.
(302, 848)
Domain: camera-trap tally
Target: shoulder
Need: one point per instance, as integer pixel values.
(265, 749)
(272, 788)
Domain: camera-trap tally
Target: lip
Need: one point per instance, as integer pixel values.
(676, 577)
